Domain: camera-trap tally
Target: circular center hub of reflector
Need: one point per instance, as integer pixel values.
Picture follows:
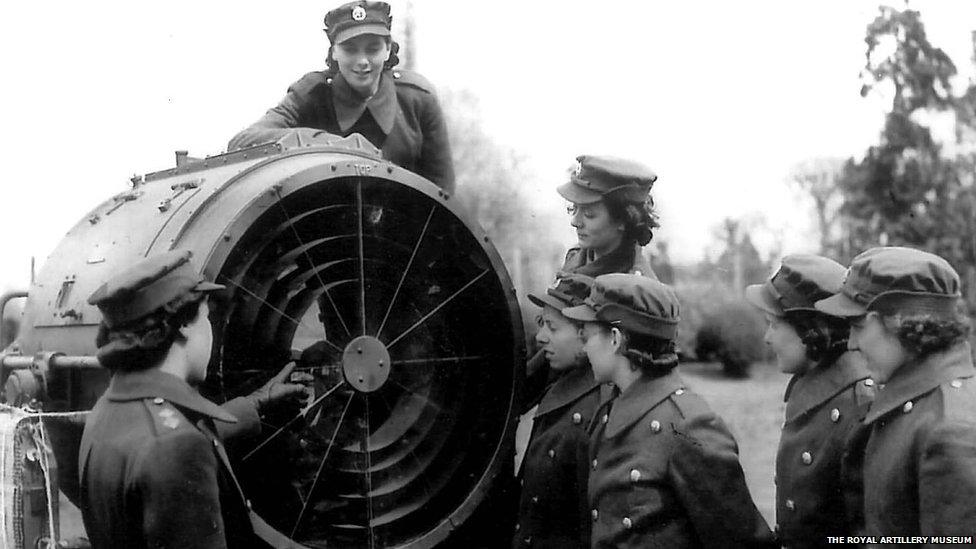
(366, 364)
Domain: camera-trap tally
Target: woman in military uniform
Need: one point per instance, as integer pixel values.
(920, 459)
(825, 400)
(152, 467)
(361, 92)
(665, 470)
(552, 510)
(613, 215)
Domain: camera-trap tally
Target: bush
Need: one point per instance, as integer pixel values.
(732, 335)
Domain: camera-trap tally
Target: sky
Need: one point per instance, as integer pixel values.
(720, 98)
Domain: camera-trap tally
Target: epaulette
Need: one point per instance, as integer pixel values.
(689, 405)
(413, 79)
(166, 418)
(959, 399)
(311, 83)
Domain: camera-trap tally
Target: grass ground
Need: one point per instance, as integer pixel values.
(752, 408)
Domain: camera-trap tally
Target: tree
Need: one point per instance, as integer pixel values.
(904, 192)
(818, 178)
(739, 258)
(492, 184)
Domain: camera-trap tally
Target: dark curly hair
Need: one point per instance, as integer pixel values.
(143, 343)
(332, 68)
(925, 334)
(825, 337)
(639, 218)
(654, 356)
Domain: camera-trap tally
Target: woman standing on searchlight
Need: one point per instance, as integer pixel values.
(361, 92)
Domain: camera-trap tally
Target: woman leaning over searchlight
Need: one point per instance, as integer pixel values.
(361, 92)
(665, 470)
(920, 459)
(818, 491)
(552, 509)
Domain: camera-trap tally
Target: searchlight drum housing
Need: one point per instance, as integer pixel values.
(398, 308)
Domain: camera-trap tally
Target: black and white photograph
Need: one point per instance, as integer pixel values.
(509, 274)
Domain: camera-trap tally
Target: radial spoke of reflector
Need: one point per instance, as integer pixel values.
(359, 248)
(437, 308)
(300, 414)
(369, 475)
(308, 258)
(277, 310)
(403, 276)
(311, 490)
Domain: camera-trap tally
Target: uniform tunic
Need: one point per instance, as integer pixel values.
(403, 119)
(822, 408)
(665, 473)
(553, 511)
(151, 469)
(920, 461)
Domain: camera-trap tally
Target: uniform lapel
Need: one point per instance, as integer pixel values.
(349, 105)
(568, 388)
(821, 384)
(912, 380)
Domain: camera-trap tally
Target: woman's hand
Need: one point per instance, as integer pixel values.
(282, 386)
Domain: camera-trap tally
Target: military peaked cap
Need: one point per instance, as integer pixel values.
(893, 279)
(148, 285)
(801, 281)
(596, 176)
(631, 302)
(355, 18)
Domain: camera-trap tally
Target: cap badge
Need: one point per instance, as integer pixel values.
(578, 168)
(358, 13)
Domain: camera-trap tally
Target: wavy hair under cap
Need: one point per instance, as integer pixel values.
(144, 342)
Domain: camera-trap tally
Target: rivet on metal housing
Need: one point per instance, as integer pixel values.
(334, 168)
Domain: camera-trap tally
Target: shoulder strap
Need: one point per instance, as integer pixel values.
(413, 79)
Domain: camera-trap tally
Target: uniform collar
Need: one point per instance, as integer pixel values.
(645, 394)
(623, 259)
(153, 383)
(349, 105)
(912, 380)
(568, 388)
(820, 384)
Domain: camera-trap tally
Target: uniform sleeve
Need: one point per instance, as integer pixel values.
(294, 111)
(710, 483)
(180, 495)
(947, 480)
(435, 151)
(248, 421)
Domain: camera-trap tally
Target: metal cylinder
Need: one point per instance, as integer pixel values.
(398, 305)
